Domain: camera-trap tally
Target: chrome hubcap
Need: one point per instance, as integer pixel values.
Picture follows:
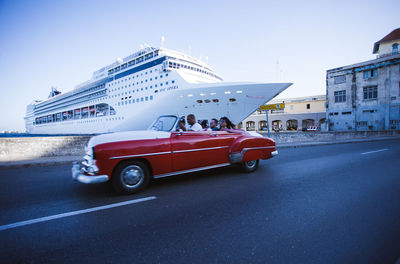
(251, 164)
(132, 176)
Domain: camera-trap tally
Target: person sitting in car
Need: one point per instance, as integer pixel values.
(192, 124)
(204, 125)
(214, 124)
(225, 123)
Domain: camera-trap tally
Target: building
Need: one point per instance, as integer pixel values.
(298, 114)
(366, 95)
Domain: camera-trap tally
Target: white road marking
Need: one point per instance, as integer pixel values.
(84, 211)
(375, 151)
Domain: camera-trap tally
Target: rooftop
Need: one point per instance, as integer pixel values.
(394, 35)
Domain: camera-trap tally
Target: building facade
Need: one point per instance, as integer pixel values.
(298, 114)
(366, 96)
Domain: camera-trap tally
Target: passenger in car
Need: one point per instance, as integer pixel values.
(214, 124)
(204, 125)
(181, 123)
(225, 123)
(192, 124)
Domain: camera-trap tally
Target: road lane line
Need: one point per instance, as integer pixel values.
(375, 151)
(84, 211)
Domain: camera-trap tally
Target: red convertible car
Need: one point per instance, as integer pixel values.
(130, 159)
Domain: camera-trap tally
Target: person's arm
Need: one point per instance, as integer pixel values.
(182, 126)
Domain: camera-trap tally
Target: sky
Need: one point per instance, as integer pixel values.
(61, 43)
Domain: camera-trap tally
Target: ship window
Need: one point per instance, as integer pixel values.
(199, 101)
(137, 100)
(173, 81)
(215, 100)
(85, 112)
(147, 98)
(70, 115)
(141, 99)
(232, 99)
(166, 74)
(112, 110)
(77, 113)
(151, 97)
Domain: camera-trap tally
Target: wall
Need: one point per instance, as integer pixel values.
(23, 148)
(300, 137)
(387, 47)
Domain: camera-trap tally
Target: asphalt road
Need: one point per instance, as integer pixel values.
(322, 204)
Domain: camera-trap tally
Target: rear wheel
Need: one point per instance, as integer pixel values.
(130, 177)
(250, 166)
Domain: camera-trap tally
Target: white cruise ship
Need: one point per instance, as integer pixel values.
(130, 93)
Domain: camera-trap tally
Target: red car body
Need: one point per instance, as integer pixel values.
(130, 159)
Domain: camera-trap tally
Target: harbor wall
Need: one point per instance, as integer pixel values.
(26, 148)
(23, 148)
(332, 136)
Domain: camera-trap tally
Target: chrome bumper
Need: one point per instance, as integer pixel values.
(77, 175)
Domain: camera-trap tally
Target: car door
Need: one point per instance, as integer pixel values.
(194, 150)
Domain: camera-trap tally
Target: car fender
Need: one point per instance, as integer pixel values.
(247, 148)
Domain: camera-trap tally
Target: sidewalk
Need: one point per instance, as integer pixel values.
(65, 160)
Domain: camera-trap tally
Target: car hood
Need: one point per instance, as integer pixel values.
(127, 136)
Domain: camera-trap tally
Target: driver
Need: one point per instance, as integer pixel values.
(192, 124)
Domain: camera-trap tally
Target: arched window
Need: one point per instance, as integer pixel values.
(292, 124)
(395, 48)
(250, 125)
(277, 125)
(262, 125)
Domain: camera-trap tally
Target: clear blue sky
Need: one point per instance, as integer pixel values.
(61, 43)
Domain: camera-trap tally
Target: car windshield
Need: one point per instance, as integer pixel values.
(164, 123)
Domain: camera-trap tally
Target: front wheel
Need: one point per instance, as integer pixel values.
(130, 177)
(250, 166)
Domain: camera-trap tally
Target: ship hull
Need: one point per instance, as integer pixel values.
(233, 100)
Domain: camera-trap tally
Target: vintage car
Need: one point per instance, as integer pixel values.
(130, 159)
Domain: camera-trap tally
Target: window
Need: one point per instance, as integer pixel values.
(395, 49)
(370, 92)
(308, 106)
(340, 79)
(370, 74)
(340, 96)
